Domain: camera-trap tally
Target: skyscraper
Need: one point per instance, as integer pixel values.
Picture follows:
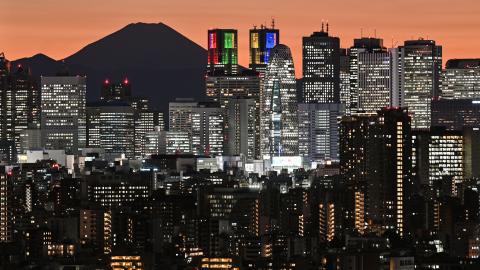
(176, 142)
(375, 156)
(439, 158)
(262, 40)
(63, 112)
(20, 105)
(111, 126)
(321, 68)
(345, 95)
(369, 74)
(207, 129)
(224, 88)
(180, 114)
(145, 121)
(222, 51)
(242, 127)
(278, 104)
(116, 90)
(461, 79)
(318, 130)
(419, 63)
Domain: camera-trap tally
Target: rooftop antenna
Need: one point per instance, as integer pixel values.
(361, 32)
(327, 27)
(322, 26)
(375, 33)
(273, 23)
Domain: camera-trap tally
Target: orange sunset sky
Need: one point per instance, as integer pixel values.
(59, 28)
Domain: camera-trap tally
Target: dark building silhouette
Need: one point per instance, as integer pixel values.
(456, 114)
(375, 150)
(116, 90)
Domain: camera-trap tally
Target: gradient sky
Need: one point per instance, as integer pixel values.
(59, 28)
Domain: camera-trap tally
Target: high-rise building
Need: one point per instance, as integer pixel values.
(321, 68)
(224, 88)
(180, 114)
(20, 103)
(364, 71)
(145, 121)
(318, 130)
(207, 129)
(375, 156)
(114, 192)
(93, 125)
(345, 95)
(63, 116)
(262, 40)
(418, 65)
(456, 114)
(242, 128)
(278, 106)
(6, 209)
(153, 142)
(4, 88)
(222, 51)
(176, 142)
(461, 79)
(159, 120)
(116, 90)
(439, 158)
(111, 126)
(369, 74)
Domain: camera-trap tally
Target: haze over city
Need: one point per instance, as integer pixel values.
(59, 28)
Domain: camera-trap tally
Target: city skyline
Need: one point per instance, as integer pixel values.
(205, 142)
(450, 26)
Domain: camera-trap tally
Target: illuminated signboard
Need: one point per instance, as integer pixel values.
(290, 161)
(271, 40)
(212, 41)
(254, 38)
(229, 40)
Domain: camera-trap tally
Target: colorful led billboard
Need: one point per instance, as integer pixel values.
(229, 40)
(271, 40)
(254, 43)
(212, 41)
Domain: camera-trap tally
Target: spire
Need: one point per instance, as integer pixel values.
(273, 23)
(327, 27)
(322, 26)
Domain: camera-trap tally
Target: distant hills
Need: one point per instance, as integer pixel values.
(161, 63)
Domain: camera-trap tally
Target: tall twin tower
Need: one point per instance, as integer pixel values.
(274, 95)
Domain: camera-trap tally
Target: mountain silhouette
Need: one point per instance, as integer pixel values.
(161, 63)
